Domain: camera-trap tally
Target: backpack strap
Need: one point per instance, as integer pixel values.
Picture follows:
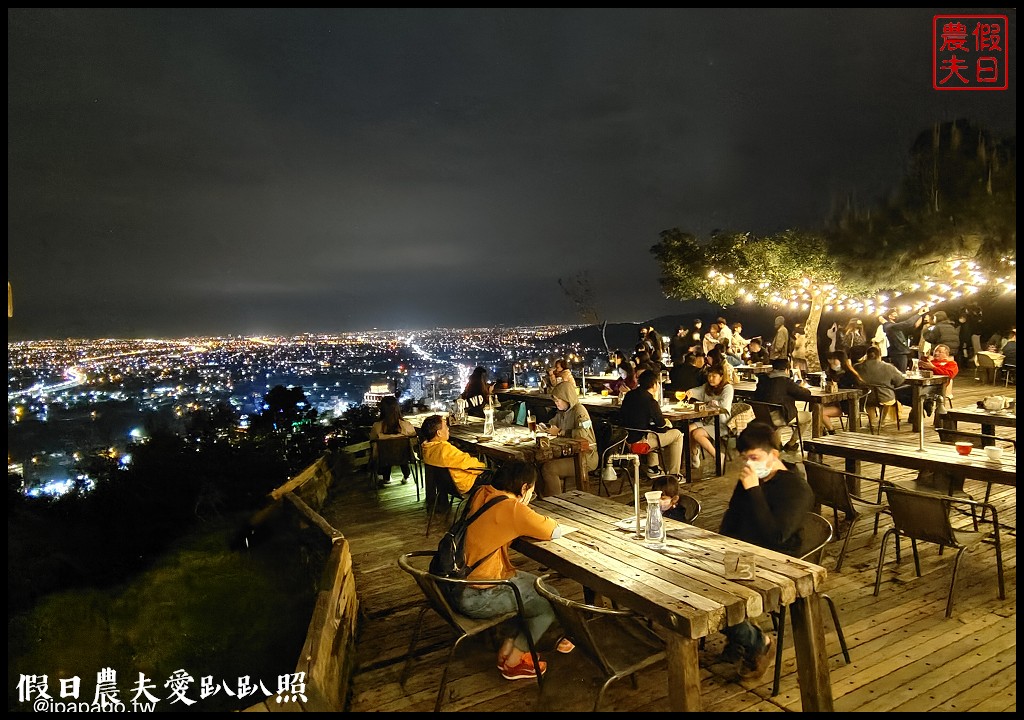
(490, 503)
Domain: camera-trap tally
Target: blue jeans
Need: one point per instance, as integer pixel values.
(746, 635)
(481, 603)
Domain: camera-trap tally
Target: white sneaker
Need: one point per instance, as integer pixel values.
(695, 459)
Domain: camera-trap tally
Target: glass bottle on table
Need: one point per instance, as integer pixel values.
(654, 529)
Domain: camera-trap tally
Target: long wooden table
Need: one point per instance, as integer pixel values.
(684, 589)
(501, 447)
(850, 398)
(988, 419)
(923, 387)
(884, 450)
(604, 406)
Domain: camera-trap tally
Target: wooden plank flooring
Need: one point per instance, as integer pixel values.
(905, 654)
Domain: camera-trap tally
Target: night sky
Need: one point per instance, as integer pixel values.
(200, 172)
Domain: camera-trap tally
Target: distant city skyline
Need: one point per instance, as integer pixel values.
(183, 172)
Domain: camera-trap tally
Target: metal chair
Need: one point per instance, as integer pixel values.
(771, 414)
(619, 642)
(690, 507)
(439, 491)
(926, 517)
(832, 489)
(391, 451)
(985, 369)
(435, 589)
(815, 534)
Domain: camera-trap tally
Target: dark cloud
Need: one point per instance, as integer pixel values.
(217, 171)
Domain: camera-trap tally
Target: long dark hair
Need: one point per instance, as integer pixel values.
(390, 415)
(845, 364)
(477, 384)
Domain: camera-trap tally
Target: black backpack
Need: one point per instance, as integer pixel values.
(450, 560)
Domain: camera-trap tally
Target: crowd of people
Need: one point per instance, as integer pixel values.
(770, 498)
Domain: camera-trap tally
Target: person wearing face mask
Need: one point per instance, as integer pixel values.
(767, 509)
(841, 372)
(487, 542)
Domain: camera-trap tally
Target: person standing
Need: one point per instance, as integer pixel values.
(855, 340)
(767, 509)
(641, 412)
(780, 344)
(572, 420)
(942, 332)
(898, 333)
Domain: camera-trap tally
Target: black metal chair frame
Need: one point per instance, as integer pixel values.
(433, 588)
(926, 517)
(391, 451)
(438, 480)
(619, 642)
(763, 413)
(816, 532)
(832, 488)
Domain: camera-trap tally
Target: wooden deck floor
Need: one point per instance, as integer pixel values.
(905, 654)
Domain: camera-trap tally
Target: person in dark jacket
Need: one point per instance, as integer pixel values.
(640, 410)
(778, 387)
(767, 508)
(688, 373)
(942, 332)
(899, 333)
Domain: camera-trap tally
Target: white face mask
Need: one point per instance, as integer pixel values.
(761, 468)
(836, 364)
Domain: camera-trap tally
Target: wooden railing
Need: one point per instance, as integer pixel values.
(328, 654)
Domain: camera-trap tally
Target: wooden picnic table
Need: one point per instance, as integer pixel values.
(850, 398)
(683, 588)
(988, 419)
(923, 387)
(512, 442)
(606, 407)
(885, 450)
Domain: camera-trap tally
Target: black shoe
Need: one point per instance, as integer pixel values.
(653, 470)
(929, 406)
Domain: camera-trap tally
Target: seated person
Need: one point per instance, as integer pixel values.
(941, 362)
(717, 393)
(755, 354)
(640, 410)
(559, 372)
(477, 392)
(689, 373)
(571, 420)
(669, 501)
(625, 378)
(439, 452)
(767, 508)
(487, 542)
(1009, 349)
(881, 378)
(391, 425)
(778, 387)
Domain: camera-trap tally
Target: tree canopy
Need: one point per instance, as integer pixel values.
(948, 231)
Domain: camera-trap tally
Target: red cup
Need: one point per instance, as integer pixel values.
(964, 448)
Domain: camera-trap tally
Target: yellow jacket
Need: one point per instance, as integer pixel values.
(463, 466)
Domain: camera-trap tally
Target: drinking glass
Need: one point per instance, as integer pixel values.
(531, 423)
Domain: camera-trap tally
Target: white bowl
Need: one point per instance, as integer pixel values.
(994, 453)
